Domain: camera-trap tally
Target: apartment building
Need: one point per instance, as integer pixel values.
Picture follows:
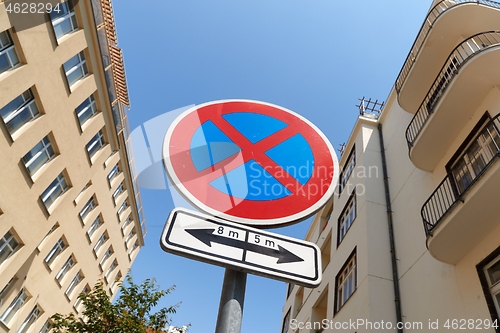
(70, 208)
(412, 236)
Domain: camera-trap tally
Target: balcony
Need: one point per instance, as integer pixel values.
(446, 23)
(461, 85)
(464, 207)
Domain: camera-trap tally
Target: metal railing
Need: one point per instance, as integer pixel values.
(468, 168)
(458, 57)
(433, 15)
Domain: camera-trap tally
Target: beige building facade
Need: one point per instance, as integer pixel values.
(70, 208)
(411, 240)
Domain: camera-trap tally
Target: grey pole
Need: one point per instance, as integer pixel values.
(231, 302)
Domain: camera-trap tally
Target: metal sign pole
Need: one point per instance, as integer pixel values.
(231, 302)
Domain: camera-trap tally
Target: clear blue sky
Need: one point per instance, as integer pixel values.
(313, 57)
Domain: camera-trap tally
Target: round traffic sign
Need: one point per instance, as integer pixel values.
(250, 162)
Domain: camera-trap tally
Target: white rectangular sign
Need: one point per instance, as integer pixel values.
(216, 241)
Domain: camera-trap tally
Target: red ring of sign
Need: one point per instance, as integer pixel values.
(305, 199)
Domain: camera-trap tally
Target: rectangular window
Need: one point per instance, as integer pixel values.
(65, 269)
(39, 155)
(14, 307)
(78, 302)
(134, 247)
(3, 293)
(122, 208)
(63, 19)
(86, 110)
(116, 280)
(46, 327)
(56, 251)
(347, 217)
(126, 224)
(89, 207)
(347, 170)
(105, 257)
(346, 282)
(100, 242)
(482, 145)
(76, 68)
(286, 322)
(76, 280)
(94, 226)
(113, 173)
(130, 235)
(8, 54)
(489, 276)
(30, 320)
(55, 190)
(119, 190)
(110, 270)
(95, 144)
(20, 111)
(8, 245)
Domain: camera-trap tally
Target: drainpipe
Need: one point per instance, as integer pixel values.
(395, 279)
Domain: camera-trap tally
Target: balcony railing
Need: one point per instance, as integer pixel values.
(433, 15)
(460, 55)
(467, 170)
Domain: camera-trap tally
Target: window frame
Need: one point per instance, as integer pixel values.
(74, 283)
(56, 250)
(28, 105)
(99, 140)
(91, 105)
(115, 172)
(346, 215)
(109, 252)
(489, 290)
(7, 244)
(33, 315)
(47, 151)
(66, 268)
(96, 224)
(70, 15)
(348, 169)
(342, 278)
(7, 51)
(88, 208)
(100, 242)
(81, 65)
(12, 307)
(47, 326)
(59, 183)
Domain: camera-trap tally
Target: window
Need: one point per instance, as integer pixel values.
(474, 155)
(76, 280)
(78, 302)
(63, 19)
(76, 68)
(8, 54)
(39, 155)
(14, 307)
(286, 322)
(94, 226)
(119, 190)
(89, 207)
(346, 282)
(65, 269)
(134, 247)
(100, 242)
(55, 190)
(20, 111)
(3, 293)
(130, 235)
(86, 110)
(347, 170)
(123, 207)
(489, 276)
(105, 257)
(8, 245)
(56, 251)
(30, 320)
(46, 327)
(113, 173)
(347, 217)
(117, 280)
(110, 270)
(126, 224)
(95, 144)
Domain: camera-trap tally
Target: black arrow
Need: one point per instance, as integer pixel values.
(207, 237)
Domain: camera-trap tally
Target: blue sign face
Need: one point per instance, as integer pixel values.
(251, 161)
